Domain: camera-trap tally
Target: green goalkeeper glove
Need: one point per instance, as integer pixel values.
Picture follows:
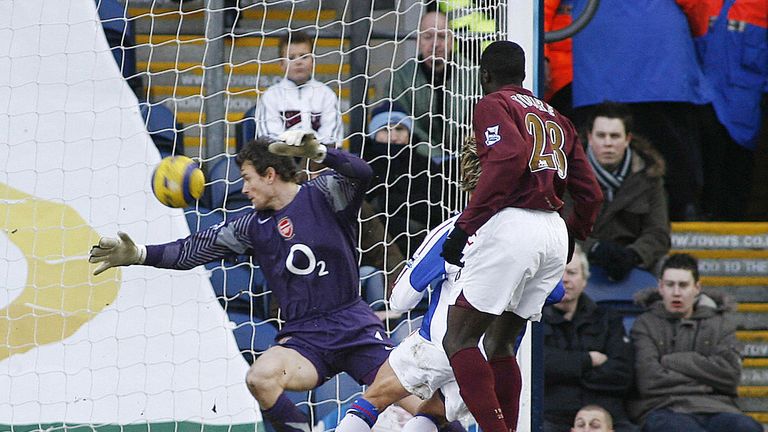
(298, 143)
(113, 252)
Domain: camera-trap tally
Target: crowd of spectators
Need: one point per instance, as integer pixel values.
(678, 371)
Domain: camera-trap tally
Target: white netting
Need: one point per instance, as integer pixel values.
(196, 82)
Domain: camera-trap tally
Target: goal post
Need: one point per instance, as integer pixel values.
(95, 92)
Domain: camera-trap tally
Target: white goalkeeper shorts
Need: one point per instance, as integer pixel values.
(513, 262)
(422, 368)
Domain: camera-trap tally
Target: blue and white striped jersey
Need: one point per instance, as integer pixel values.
(427, 269)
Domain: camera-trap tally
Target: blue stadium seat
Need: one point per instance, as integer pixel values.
(226, 187)
(628, 321)
(238, 286)
(619, 295)
(120, 34)
(163, 129)
(333, 398)
(245, 130)
(600, 288)
(253, 335)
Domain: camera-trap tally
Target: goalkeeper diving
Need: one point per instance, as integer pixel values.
(419, 365)
(305, 238)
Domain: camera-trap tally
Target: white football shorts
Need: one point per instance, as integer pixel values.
(422, 368)
(514, 261)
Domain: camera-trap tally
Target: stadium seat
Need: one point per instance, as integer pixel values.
(619, 295)
(225, 187)
(600, 288)
(372, 287)
(245, 130)
(253, 335)
(331, 399)
(163, 129)
(237, 284)
(120, 35)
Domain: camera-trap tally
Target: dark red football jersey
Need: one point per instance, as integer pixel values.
(530, 155)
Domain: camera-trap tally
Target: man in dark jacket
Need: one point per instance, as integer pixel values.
(687, 357)
(587, 355)
(632, 229)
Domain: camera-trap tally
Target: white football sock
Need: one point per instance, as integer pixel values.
(420, 424)
(352, 423)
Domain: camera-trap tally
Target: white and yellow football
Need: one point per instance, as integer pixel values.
(177, 181)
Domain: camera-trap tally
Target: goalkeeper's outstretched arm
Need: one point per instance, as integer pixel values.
(202, 247)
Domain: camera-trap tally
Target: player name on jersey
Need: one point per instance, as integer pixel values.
(527, 101)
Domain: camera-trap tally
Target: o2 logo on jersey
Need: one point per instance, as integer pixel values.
(285, 228)
(492, 135)
(307, 265)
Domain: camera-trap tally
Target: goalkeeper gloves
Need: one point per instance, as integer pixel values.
(298, 143)
(453, 248)
(113, 252)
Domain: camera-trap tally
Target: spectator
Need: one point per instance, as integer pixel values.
(558, 14)
(687, 357)
(401, 186)
(428, 88)
(587, 355)
(299, 102)
(615, 58)
(734, 57)
(632, 229)
(593, 418)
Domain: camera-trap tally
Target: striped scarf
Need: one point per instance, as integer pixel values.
(610, 181)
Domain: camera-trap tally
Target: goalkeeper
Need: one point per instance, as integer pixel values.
(419, 365)
(305, 237)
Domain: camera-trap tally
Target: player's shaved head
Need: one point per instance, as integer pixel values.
(257, 153)
(502, 63)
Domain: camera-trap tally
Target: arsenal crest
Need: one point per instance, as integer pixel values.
(285, 227)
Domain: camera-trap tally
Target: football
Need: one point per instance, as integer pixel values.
(177, 181)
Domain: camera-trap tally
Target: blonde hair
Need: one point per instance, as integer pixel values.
(579, 255)
(470, 164)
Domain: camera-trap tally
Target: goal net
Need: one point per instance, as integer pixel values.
(98, 91)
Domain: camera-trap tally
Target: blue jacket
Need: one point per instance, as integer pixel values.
(734, 57)
(636, 51)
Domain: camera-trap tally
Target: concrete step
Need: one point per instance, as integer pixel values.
(752, 335)
(160, 92)
(190, 19)
(252, 75)
(251, 67)
(753, 391)
(192, 49)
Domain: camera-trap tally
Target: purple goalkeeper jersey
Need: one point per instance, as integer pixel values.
(307, 249)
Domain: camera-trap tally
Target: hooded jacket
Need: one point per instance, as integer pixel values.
(685, 365)
(637, 216)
